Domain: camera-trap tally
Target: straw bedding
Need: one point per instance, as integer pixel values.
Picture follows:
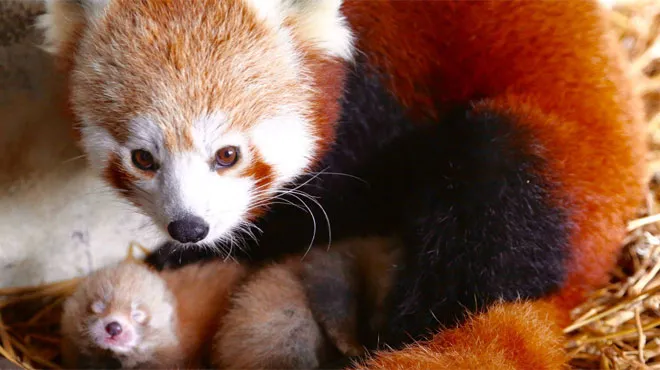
(617, 328)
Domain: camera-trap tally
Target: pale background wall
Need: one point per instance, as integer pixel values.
(56, 220)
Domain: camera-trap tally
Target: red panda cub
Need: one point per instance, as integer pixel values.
(122, 316)
(347, 288)
(270, 324)
(305, 312)
(129, 316)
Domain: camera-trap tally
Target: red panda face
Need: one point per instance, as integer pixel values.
(124, 309)
(199, 111)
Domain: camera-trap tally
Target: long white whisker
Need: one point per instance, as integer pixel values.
(342, 174)
(306, 182)
(313, 222)
(74, 158)
(283, 202)
(231, 246)
(327, 218)
(248, 231)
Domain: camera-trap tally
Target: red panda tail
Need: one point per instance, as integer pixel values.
(516, 336)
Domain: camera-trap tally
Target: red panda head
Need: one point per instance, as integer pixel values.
(199, 111)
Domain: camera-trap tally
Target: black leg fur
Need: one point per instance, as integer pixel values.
(478, 223)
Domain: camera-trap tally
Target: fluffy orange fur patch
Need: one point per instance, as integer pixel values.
(512, 336)
(183, 60)
(549, 63)
(202, 293)
(269, 323)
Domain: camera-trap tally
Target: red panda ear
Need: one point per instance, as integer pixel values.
(319, 22)
(63, 18)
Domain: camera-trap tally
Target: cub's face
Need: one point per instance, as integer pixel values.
(125, 310)
(199, 111)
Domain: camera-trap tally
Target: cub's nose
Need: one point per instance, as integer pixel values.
(189, 229)
(113, 328)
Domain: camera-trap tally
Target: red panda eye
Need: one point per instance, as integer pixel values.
(143, 160)
(227, 156)
(97, 306)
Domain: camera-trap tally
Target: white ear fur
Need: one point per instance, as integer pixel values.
(319, 21)
(63, 17)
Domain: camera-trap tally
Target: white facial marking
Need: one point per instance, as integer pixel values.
(145, 134)
(285, 142)
(187, 183)
(210, 132)
(98, 145)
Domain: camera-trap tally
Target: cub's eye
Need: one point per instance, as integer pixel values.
(143, 160)
(227, 156)
(138, 315)
(98, 307)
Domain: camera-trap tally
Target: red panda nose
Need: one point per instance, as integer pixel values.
(113, 328)
(189, 229)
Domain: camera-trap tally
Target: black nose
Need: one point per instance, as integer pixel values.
(113, 328)
(189, 229)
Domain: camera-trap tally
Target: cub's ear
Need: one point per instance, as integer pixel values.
(63, 18)
(319, 22)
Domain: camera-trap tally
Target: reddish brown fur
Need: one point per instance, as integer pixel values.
(545, 61)
(263, 173)
(601, 219)
(118, 177)
(326, 106)
(280, 317)
(188, 83)
(549, 65)
(202, 293)
(270, 324)
(510, 336)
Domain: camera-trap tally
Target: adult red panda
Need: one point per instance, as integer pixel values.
(499, 139)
